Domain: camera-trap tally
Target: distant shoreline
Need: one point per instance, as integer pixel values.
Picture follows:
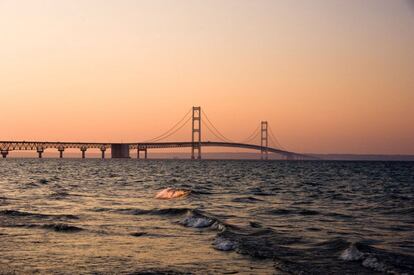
(366, 157)
(225, 156)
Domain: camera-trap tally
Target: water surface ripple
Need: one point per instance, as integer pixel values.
(247, 217)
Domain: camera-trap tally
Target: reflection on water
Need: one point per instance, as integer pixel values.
(93, 216)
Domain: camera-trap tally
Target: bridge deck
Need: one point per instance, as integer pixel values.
(36, 145)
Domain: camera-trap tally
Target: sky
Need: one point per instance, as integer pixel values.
(330, 76)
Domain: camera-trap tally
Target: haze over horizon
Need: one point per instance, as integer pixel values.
(329, 76)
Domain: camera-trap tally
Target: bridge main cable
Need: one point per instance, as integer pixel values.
(252, 136)
(172, 130)
(215, 128)
(275, 140)
(220, 136)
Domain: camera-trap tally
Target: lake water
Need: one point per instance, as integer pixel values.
(246, 217)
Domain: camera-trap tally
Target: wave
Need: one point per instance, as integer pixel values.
(223, 244)
(199, 192)
(259, 192)
(400, 211)
(159, 212)
(378, 260)
(101, 209)
(3, 201)
(59, 195)
(291, 254)
(43, 181)
(307, 212)
(140, 211)
(341, 257)
(157, 271)
(255, 225)
(246, 200)
(339, 215)
(172, 193)
(262, 244)
(59, 227)
(138, 234)
(197, 219)
(16, 213)
(280, 211)
(190, 217)
(336, 256)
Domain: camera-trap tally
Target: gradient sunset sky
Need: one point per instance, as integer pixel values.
(329, 76)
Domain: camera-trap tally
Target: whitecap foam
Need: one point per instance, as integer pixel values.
(351, 254)
(171, 193)
(373, 263)
(218, 226)
(197, 221)
(224, 244)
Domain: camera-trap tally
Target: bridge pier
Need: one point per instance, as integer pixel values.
(103, 149)
(120, 150)
(61, 149)
(40, 151)
(145, 150)
(83, 150)
(4, 153)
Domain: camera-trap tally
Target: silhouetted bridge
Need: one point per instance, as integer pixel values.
(122, 150)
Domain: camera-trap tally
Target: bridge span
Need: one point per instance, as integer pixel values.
(40, 147)
(122, 150)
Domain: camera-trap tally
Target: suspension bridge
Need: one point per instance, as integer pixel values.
(268, 142)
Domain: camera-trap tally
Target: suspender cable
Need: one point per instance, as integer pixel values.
(217, 131)
(166, 134)
(273, 137)
(252, 136)
(211, 131)
(176, 130)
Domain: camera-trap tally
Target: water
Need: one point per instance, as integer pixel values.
(247, 217)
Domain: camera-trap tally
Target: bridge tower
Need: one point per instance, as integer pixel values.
(196, 133)
(264, 141)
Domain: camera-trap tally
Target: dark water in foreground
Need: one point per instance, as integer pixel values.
(249, 217)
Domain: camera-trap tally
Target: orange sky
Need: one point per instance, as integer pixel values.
(329, 76)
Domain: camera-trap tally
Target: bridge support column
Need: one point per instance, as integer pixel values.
(120, 150)
(103, 149)
(40, 151)
(4, 153)
(145, 150)
(83, 150)
(61, 149)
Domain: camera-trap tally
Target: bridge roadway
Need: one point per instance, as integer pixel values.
(6, 146)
